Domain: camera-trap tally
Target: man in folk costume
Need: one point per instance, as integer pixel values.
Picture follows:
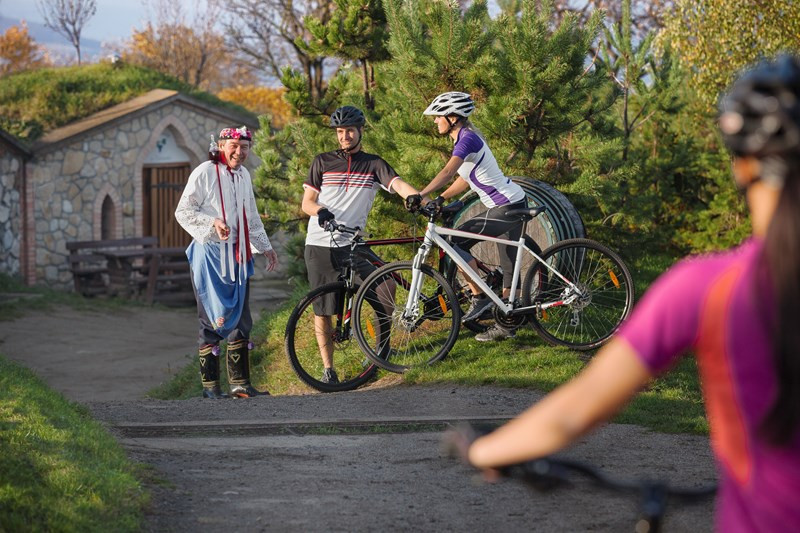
(218, 209)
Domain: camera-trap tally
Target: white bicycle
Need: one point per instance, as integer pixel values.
(576, 293)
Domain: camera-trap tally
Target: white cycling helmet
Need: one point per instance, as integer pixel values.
(452, 103)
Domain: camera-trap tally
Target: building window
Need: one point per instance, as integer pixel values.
(108, 228)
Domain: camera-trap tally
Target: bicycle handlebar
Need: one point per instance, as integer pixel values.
(432, 209)
(549, 471)
(341, 228)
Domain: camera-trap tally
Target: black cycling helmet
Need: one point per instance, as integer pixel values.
(347, 116)
(760, 115)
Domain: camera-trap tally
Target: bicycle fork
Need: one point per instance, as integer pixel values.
(412, 310)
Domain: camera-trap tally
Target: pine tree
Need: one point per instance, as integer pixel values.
(356, 32)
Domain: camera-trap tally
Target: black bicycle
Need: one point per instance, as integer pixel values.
(308, 335)
(548, 473)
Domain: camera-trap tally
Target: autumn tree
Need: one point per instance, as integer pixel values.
(67, 18)
(18, 51)
(266, 35)
(191, 49)
(261, 100)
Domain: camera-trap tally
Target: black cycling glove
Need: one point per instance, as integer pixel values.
(412, 202)
(324, 216)
(438, 203)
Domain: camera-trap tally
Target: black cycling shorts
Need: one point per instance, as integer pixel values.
(324, 265)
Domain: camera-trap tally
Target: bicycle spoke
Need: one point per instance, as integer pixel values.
(411, 333)
(308, 334)
(594, 306)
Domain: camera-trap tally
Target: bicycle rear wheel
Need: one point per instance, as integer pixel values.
(586, 318)
(421, 338)
(302, 342)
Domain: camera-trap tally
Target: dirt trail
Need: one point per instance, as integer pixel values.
(318, 462)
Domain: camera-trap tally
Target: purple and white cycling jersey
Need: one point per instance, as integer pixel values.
(481, 172)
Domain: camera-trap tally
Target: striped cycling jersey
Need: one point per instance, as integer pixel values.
(481, 171)
(347, 185)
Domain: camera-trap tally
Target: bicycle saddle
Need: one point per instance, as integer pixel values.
(528, 213)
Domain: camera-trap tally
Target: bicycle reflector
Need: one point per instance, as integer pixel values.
(442, 304)
(614, 278)
(370, 329)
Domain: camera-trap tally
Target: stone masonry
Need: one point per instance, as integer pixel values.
(10, 220)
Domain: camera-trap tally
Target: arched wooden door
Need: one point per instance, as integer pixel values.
(163, 186)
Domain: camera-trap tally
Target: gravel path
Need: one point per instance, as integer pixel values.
(366, 460)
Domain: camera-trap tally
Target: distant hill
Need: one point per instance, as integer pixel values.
(60, 48)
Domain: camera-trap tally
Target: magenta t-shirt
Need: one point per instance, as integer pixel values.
(707, 304)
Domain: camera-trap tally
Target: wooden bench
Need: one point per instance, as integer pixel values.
(88, 262)
(169, 278)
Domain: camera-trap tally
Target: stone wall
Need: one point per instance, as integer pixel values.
(10, 220)
(70, 183)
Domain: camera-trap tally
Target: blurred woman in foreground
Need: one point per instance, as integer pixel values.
(739, 310)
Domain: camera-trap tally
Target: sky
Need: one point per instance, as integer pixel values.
(112, 22)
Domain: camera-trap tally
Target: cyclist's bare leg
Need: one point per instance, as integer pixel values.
(324, 333)
(474, 289)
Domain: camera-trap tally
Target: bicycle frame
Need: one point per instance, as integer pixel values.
(433, 236)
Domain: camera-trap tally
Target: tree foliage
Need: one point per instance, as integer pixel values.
(189, 48)
(261, 100)
(716, 38)
(602, 108)
(265, 33)
(356, 32)
(18, 51)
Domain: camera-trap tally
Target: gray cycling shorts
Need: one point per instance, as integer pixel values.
(323, 265)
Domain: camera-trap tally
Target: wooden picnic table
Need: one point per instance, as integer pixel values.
(156, 270)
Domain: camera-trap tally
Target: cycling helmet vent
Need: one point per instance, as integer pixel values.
(452, 103)
(760, 115)
(347, 116)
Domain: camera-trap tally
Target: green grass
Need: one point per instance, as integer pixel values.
(672, 403)
(59, 469)
(37, 101)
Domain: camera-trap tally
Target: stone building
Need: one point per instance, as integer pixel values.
(115, 174)
(13, 156)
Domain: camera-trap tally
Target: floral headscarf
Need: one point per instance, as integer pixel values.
(242, 134)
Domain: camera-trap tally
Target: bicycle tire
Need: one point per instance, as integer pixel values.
(592, 319)
(302, 347)
(422, 340)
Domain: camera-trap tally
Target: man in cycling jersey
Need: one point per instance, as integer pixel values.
(474, 164)
(341, 188)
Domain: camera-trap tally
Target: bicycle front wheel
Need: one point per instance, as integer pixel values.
(584, 315)
(420, 332)
(308, 333)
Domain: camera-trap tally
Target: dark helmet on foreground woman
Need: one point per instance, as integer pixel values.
(347, 116)
(760, 115)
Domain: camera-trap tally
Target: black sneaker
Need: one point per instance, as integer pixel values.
(477, 307)
(495, 333)
(329, 376)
